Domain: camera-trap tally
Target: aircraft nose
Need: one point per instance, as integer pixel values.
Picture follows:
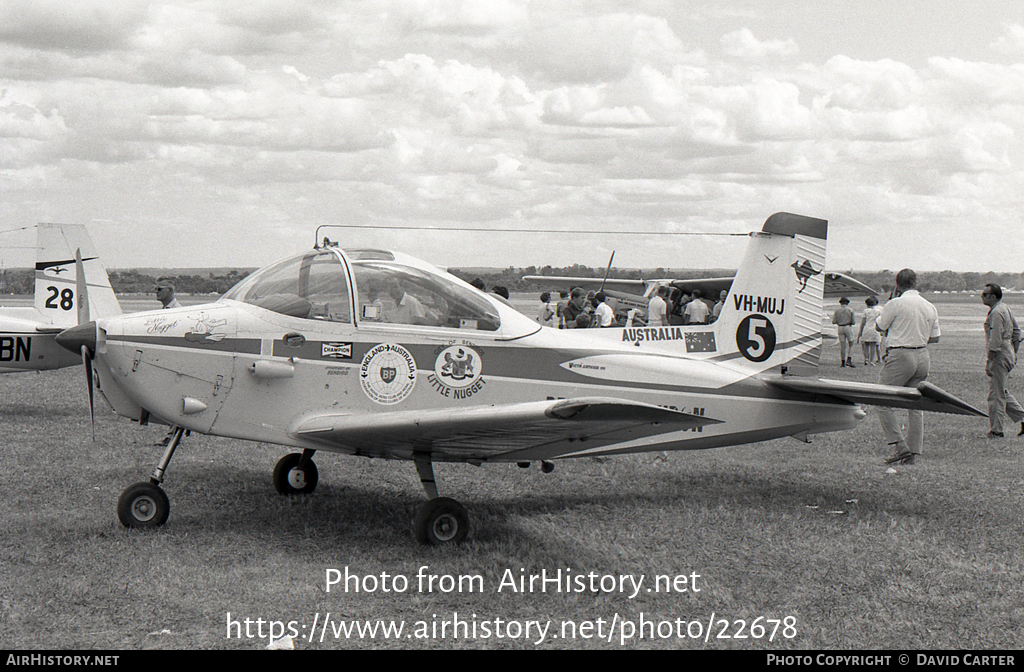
(74, 338)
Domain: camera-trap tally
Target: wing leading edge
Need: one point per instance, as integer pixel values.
(525, 431)
(925, 397)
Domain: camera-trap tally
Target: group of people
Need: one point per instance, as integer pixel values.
(868, 336)
(692, 308)
(576, 309)
(908, 323)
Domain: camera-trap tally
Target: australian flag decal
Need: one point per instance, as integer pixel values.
(700, 341)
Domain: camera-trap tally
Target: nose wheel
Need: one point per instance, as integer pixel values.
(144, 504)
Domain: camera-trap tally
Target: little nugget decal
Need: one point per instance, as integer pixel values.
(457, 372)
(388, 373)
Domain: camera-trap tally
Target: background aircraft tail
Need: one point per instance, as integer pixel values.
(772, 315)
(56, 290)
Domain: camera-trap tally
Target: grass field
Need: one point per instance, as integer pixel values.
(929, 557)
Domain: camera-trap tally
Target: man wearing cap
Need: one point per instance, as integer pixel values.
(165, 294)
(844, 319)
(911, 323)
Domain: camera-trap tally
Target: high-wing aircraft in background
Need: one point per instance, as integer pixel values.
(27, 334)
(376, 354)
(634, 294)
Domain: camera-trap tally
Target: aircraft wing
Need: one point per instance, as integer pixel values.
(617, 284)
(836, 284)
(925, 397)
(524, 431)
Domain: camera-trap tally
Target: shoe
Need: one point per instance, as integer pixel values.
(849, 363)
(995, 435)
(900, 458)
(842, 363)
(1021, 432)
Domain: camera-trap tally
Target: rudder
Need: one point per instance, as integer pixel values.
(772, 315)
(56, 293)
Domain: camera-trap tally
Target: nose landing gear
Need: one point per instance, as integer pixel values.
(145, 504)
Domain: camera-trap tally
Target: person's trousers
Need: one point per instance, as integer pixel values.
(1003, 409)
(905, 367)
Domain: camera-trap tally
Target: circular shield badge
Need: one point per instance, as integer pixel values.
(458, 366)
(388, 373)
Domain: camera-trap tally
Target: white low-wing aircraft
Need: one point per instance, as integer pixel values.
(27, 334)
(377, 354)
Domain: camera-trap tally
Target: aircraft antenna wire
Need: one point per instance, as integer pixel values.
(513, 230)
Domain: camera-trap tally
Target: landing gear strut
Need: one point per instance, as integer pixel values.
(441, 520)
(145, 504)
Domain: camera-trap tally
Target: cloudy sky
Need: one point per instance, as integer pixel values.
(222, 132)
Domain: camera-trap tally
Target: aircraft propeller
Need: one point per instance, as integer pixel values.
(82, 288)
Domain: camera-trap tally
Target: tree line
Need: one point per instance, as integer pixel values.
(22, 281)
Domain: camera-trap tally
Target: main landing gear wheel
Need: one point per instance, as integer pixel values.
(143, 505)
(441, 521)
(292, 479)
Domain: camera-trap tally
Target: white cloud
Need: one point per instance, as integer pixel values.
(1011, 42)
(88, 25)
(742, 44)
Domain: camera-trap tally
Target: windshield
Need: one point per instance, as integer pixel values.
(315, 286)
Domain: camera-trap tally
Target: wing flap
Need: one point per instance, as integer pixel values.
(925, 397)
(531, 430)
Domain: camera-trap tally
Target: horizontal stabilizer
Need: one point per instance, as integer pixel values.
(530, 430)
(925, 397)
(839, 284)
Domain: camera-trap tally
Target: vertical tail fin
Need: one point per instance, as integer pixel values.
(772, 315)
(57, 282)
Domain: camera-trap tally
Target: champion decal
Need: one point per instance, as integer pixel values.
(336, 350)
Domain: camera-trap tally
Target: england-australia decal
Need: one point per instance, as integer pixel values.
(387, 373)
(458, 372)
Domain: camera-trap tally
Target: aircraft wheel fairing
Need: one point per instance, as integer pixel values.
(143, 505)
(289, 479)
(441, 521)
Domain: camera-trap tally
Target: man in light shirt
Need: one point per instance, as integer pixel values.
(657, 309)
(1002, 336)
(717, 310)
(408, 309)
(697, 312)
(911, 323)
(603, 312)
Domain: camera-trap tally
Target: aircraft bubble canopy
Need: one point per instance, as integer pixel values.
(373, 286)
